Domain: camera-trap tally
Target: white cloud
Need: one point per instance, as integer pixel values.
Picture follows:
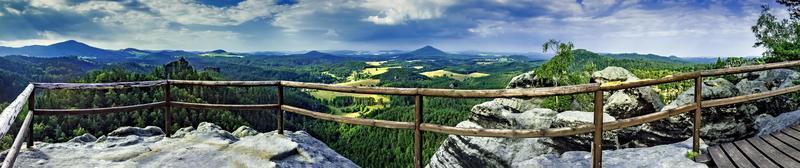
(397, 12)
(189, 12)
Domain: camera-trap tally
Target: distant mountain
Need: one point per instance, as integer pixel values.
(66, 48)
(428, 51)
(647, 57)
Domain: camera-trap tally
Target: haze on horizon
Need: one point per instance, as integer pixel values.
(681, 28)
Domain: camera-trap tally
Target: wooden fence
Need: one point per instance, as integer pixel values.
(9, 114)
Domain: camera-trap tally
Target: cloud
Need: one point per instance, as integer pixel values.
(397, 12)
(686, 28)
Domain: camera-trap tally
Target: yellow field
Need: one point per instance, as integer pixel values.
(364, 82)
(329, 95)
(375, 63)
(330, 74)
(453, 75)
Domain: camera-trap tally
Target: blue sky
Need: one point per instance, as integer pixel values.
(679, 27)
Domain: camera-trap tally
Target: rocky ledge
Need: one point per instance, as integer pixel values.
(206, 146)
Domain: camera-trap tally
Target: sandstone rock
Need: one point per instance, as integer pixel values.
(766, 124)
(664, 156)
(465, 151)
(583, 142)
(612, 74)
(529, 80)
(147, 131)
(83, 138)
(244, 131)
(626, 103)
(492, 114)
(208, 146)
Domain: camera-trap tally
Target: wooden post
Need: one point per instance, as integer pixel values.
(597, 147)
(417, 131)
(698, 99)
(280, 109)
(167, 109)
(31, 107)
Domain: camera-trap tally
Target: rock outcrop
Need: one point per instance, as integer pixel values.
(724, 123)
(720, 124)
(206, 146)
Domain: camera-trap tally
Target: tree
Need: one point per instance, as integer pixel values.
(779, 37)
(557, 68)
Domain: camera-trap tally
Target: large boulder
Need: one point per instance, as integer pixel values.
(626, 103)
(582, 142)
(669, 155)
(724, 123)
(529, 80)
(206, 146)
(469, 151)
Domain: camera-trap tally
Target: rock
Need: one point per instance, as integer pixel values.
(766, 124)
(613, 74)
(244, 131)
(666, 156)
(466, 151)
(207, 146)
(626, 103)
(493, 114)
(83, 138)
(773, 79)
(747, 87)
(582, 141)
(147, 131)
(529, 80)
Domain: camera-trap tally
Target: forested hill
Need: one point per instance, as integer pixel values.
(354, 142)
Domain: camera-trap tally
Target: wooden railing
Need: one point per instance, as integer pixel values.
(597, 128)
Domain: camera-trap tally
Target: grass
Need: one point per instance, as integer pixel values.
(453, 75)
(375, 63)
(330, 95)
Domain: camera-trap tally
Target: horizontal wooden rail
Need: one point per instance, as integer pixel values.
(10, 113)
(749, 68)
(85, 86)
(755, 96)
(456, 93)
(98, 110)
(225, 106)
(224, 83)
(349, 120)
(11, 156)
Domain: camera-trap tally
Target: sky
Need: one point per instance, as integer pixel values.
(685, 28)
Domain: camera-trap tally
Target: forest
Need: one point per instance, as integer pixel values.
(427, 67)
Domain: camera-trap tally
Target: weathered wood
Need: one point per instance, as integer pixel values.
(89, 86)
(749, 68)
(223, 83)
(167, 108)
(789, 140)
(31, 108)
(754, 155)
(783, 147)
(12, 153)
(487, 93)
(772, 153)
(719, 157)
(792, 133)
(12, 110)
(98, 110)
(417, 131)
(650, 82)
(280, 111)
(751, 97)
(224, 106)
(597, 148)
(349, 120)
(650, 117)
(738, 158)
(698, 101)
